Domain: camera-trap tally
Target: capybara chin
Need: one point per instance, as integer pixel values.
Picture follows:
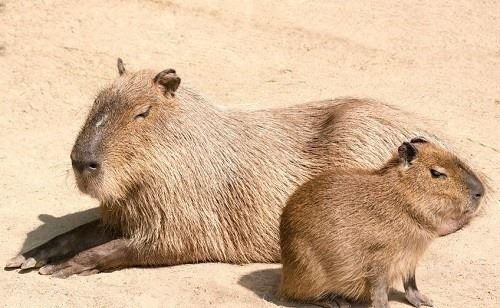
(181, 181)
(350, 234)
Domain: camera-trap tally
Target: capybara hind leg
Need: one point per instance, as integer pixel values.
(412, 293)
(62, 246)
(111, 255)
(333, 301)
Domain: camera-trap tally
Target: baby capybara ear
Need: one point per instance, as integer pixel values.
(168, 81)
(419, 139)
(407, 153)
(121, 67)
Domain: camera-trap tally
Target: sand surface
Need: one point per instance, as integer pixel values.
(438, 59)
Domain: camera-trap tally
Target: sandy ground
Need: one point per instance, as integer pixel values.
(438, 59)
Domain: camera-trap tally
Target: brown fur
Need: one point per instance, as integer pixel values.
(192, 183)
(348, 229)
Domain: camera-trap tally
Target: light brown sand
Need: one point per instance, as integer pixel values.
(439, 59)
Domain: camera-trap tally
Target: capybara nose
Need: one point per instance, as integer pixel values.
(84, 159)
(84, 162)
(82, 166)
(475, 186)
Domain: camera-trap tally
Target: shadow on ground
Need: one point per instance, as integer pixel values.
(265, 283)
(53, 226)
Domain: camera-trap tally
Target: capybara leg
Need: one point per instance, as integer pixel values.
(64, 245)
(111, 255)
(413, 295)
(333, 301)
(379, 290)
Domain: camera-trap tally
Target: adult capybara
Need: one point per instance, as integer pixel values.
(350, 234)
(181, 181)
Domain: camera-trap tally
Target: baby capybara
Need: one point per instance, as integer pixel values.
(350, 234)
(180, 180)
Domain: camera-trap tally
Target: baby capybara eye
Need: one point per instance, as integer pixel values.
(437, 174)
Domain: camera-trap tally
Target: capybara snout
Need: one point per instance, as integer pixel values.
(85, 157)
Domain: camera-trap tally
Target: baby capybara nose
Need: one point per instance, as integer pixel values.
(475, 186)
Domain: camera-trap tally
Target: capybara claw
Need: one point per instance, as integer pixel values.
(15, 262)
(29, 263)
(46, 270)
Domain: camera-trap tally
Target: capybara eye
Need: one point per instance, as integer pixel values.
(438, 175)
(144, 113)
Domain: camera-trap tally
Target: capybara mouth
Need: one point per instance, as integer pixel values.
(87, 184)
(453, 225)
(99, 186)
(474, 207)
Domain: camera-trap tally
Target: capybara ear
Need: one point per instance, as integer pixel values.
(407, 153)
(121, 67)
(419, 139)
(167, 80)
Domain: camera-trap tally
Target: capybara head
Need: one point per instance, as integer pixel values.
(118, 140)
(446, 190)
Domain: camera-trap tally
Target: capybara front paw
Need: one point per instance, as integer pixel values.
(418, 299)
(113, 254)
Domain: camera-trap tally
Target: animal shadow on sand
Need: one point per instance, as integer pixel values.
(265, 284)
(53, 226)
